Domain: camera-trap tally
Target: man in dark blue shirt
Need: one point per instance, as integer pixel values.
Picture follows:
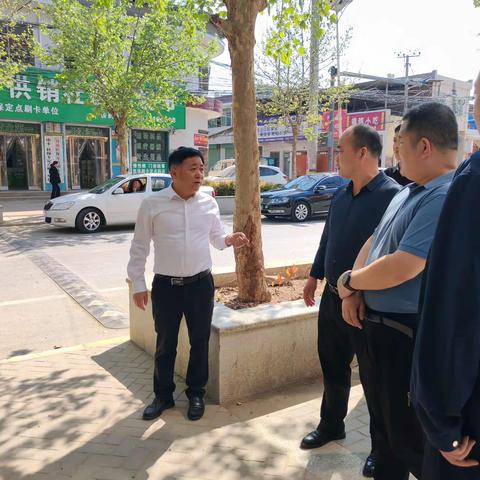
(355, 212)
(445, 384)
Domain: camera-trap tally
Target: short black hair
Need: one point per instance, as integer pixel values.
(182, 153)
(434, 121)
(397, 128)
(365, 136)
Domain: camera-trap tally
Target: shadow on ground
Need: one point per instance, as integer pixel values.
(79, 417)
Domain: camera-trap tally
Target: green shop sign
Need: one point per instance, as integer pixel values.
(35, 96)
(149, 167)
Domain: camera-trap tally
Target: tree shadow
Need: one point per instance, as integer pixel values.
(80, 418)
(26, 239)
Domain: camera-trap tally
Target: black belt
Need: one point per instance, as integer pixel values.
(400, 327)
(181, 281)
(333, 288)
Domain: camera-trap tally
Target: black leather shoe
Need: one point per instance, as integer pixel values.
(156, 408)
(196, 408)
(369, 467)
(317, 439)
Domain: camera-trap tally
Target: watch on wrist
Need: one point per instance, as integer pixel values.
(346, 281)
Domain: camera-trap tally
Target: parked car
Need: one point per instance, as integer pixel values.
(302, 198)
(114, 202)
(267, 175)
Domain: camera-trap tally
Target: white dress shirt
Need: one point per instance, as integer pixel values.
(181, 231)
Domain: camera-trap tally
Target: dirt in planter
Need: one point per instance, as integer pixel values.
(284, 293)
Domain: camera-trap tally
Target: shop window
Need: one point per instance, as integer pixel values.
(149, 146)
(203, 78)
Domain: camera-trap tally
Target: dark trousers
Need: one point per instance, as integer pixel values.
(55, 190)
(169, 304)
(338, 342)
(390, 357)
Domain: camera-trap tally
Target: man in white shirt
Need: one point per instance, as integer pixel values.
(182, 222)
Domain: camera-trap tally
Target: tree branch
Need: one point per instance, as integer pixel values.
(224, 25)
(134, 37)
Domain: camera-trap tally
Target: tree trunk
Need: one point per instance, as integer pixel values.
(122, 138)
(294, 150)
(252, 286)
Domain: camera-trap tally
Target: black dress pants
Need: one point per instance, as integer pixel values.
(338, 342)
(390, 356)
(55, 190)
(169, 304)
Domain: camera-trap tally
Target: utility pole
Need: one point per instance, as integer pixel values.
(406, 57)
(314, 65)
(338, 6)
(331, 126)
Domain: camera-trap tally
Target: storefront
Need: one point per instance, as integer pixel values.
(39, 124)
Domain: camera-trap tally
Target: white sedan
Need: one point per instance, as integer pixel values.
(267, 175)
(114, 202)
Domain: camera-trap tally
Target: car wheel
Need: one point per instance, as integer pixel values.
(89, 220)
(301, 211)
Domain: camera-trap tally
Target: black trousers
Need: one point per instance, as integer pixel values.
(169, 304)
(390, 357)
(338, 342)
(55, 190)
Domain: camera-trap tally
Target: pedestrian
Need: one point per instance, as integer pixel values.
(355, 211)
(389, 270)
(55, 179)
(182, 222)
(446, 363)
(395, 171)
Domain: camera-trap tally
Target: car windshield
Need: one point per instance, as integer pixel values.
(103, 187)
(302, 183)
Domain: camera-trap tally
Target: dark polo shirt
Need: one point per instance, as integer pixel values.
(350, 223)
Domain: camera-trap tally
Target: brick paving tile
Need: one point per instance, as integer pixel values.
(76, 414)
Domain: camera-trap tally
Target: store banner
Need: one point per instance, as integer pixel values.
(54, 152)
(35, 96)
(374, 119)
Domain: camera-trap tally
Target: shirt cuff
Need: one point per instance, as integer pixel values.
(316, 274)
(139, 286)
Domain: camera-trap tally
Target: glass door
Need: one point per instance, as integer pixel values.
(88, 163)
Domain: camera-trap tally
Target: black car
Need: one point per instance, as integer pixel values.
(303, 197)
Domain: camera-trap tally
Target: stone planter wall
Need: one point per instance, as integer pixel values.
(226, 205)
(252, 350)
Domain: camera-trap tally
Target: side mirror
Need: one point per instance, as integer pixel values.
(118, 191)
(320, 188)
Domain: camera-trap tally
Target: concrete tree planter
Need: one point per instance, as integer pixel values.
(252, 350)
(226, 204)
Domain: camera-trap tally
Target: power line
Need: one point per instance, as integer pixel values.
(406, 57)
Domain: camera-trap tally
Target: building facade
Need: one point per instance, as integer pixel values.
(39, 125)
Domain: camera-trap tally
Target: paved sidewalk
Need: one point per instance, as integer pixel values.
(75, 413)
(14, 219)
